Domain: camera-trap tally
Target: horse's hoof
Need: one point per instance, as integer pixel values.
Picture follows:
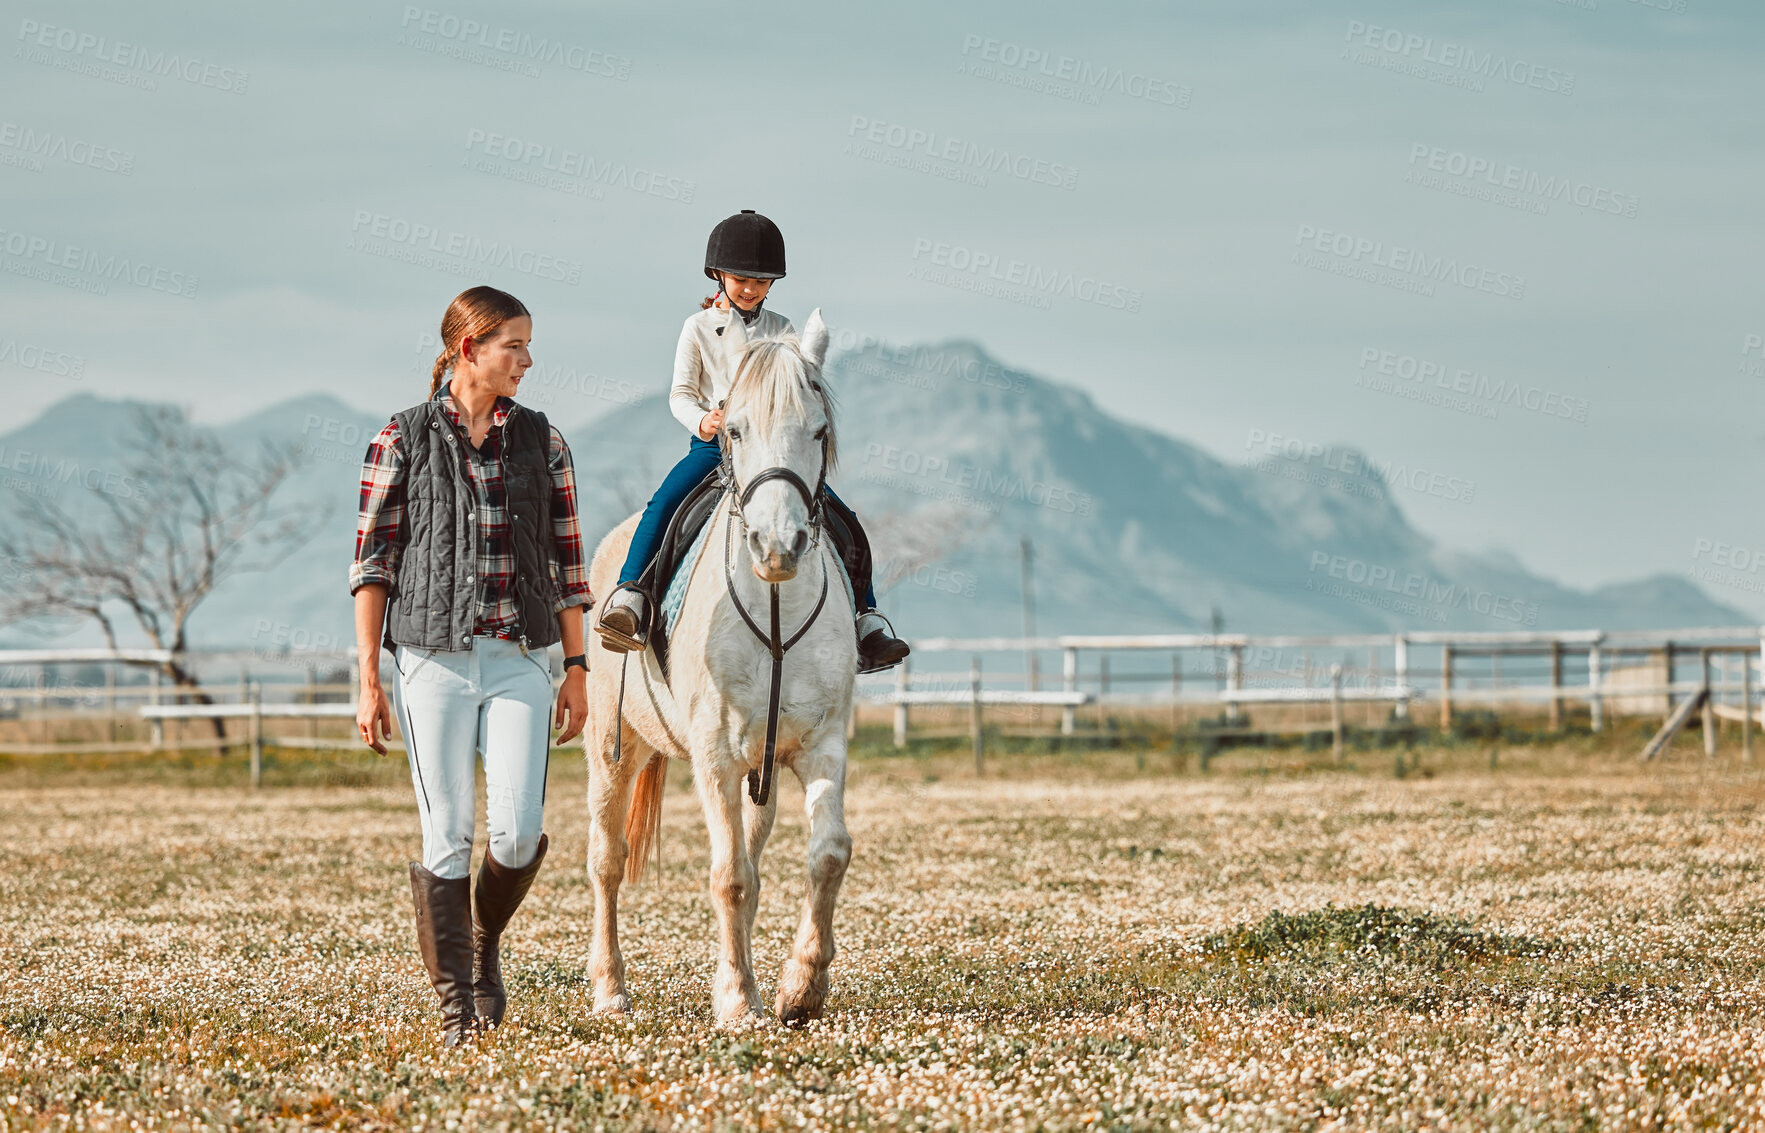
(751, 1017)
(619, 1005)
(801, 994)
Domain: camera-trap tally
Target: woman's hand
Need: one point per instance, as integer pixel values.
(709, 424)
(373, 716)
(572, 713)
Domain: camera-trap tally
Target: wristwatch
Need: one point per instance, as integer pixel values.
(578, 659)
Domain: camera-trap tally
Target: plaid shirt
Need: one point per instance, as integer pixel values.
(383, 507)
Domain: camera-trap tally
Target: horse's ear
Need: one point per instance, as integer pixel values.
(815, 339)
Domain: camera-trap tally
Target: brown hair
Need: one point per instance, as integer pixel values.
(478, 312)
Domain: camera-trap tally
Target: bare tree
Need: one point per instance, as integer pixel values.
(184, 514)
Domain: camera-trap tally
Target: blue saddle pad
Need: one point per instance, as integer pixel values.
(675, 596)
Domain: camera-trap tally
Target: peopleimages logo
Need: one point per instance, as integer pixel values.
(39, 257)
(56, 363)
(1489, 179)
(51, 470)
(1086, 77)
(876, 356)
(76, 47)
(942, 477)
(456, 253)
(1728, 564)
(1032, 279)
(1478, 393)
(1354, 467)
(37, 145)
(1748, 366)
(1397, 263)
(914, 143)
(573, 167)
(1388, 587)
(515, 47)
(1458, 58)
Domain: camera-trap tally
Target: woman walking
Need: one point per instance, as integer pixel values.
(468, 565)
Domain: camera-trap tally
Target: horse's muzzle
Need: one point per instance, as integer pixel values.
(772, 562)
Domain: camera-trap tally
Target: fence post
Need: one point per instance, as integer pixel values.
(1556, 721)
(1102, 691)
(1400, 651)
(1667, 658)
(901, 705)
(156, 731)
(1336, 748)
(1069, 668)
(1746, 707)
(974, 709)
(1234, 680)
(257, 735)
(312, 697)
(1596, 715)
(1709, 720)
(1445, 687)
(1176, 691)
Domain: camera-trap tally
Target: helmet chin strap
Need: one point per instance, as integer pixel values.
(748, 317)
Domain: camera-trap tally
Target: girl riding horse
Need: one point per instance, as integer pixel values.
(744, 256)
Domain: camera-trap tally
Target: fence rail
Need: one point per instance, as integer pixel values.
(1629, 671)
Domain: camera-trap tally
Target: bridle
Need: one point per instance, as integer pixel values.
(760, 782)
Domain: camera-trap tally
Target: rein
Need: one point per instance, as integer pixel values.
(760, 782)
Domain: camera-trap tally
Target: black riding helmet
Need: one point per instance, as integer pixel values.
(746, 244)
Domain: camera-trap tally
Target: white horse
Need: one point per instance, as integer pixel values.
(711, 709)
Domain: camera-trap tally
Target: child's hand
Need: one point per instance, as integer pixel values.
(709, 424)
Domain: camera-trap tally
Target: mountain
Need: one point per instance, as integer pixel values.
(945, 450)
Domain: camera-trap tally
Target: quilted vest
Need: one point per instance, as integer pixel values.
(436, 597)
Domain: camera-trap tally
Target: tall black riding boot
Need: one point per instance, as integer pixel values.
(499, 894)
(444, 937)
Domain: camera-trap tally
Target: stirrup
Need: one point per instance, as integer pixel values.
(877, 665)
(616, 641)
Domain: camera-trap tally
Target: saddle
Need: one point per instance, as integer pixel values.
(684, 534)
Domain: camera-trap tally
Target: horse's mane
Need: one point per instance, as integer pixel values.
(773, 383)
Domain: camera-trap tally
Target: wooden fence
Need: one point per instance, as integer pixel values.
(1555, 672)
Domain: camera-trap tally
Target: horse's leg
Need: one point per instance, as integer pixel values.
(802, 984)
(609, 797)
(756, 829)
(734, 881)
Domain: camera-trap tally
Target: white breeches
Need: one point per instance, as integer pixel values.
(491, 700)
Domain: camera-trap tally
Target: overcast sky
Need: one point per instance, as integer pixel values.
(1217, 217)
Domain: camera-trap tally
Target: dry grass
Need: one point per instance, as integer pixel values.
(1566, 943)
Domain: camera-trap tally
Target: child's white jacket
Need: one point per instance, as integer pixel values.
(704, 361)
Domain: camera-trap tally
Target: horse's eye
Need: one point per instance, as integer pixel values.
(735, 434)
(821, 433)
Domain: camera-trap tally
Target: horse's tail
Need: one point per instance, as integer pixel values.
(643, 819)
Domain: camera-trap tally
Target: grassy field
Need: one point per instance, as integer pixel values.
(1104, 941)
